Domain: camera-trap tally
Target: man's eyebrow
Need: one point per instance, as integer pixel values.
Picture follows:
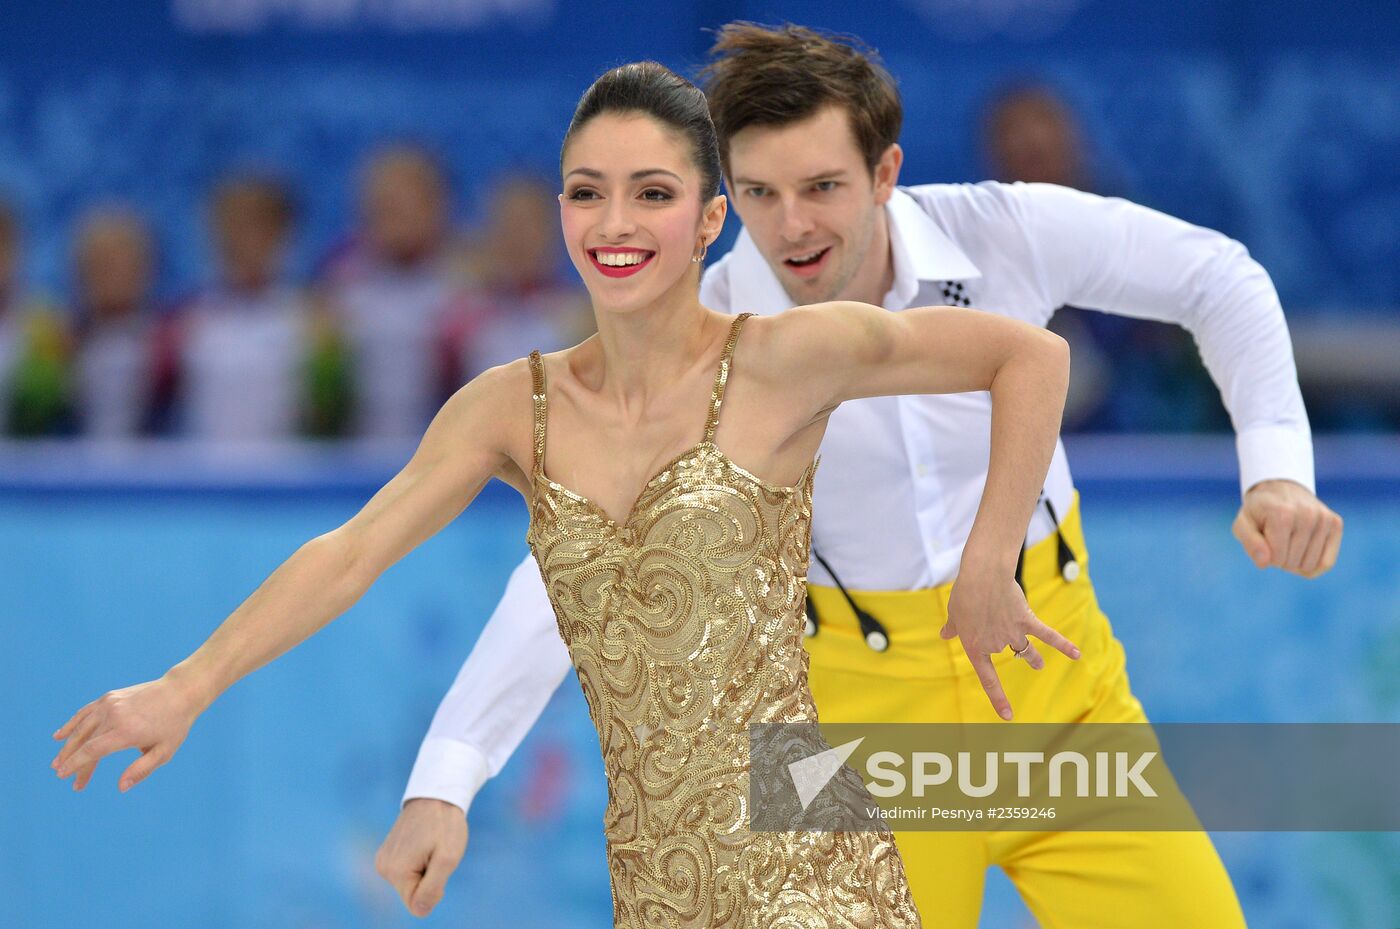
(635, 176)
(822, 176)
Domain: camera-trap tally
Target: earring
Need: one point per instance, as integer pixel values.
(704, 250)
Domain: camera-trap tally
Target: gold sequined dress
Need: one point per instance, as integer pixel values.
(685, 626)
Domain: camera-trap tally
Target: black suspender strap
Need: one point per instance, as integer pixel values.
(1069, 565)
(871, 628)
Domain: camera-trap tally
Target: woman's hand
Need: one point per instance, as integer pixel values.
(989, 615)
(154, 717)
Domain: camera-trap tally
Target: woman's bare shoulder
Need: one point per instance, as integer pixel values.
(493, 410)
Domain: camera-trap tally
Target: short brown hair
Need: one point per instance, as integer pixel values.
(776, 75)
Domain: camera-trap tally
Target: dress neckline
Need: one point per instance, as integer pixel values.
(541, 405)
(632, 512)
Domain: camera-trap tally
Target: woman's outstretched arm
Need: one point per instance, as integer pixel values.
(844, 351)
(481, 432)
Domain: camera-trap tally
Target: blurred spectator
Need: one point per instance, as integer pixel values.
(520, 299)
(1032, 136)
(244, 359)
(390, 289)
(34, 348)
(113, 259)
(1128, 375)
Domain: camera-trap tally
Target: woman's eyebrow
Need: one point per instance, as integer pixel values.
(635, 176)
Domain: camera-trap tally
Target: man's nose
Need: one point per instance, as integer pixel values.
(796, 223)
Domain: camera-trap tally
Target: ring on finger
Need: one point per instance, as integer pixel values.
(1023, 651)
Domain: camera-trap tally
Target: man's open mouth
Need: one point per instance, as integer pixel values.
(811, 258)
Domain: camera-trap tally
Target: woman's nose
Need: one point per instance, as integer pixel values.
(617, 220)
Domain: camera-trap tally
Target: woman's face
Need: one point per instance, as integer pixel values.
(631, 210)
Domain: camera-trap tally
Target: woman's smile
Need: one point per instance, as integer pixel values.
(620, 262)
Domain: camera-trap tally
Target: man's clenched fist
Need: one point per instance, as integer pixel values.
(422, 850)
(1282, 525)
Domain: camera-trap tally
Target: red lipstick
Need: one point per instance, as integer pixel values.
(619, 270)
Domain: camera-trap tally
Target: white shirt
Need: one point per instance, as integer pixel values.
(901, 477)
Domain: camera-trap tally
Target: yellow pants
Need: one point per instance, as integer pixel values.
(1069, 880)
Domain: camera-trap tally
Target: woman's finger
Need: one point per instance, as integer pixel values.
(987, 674)
(76, 741)
(84, 776)
(1030, 654)
(1053, 638)
(94, 751)
(73, 720)
(141, 768)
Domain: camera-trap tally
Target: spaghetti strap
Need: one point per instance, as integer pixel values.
(541, 407)
(722, 377)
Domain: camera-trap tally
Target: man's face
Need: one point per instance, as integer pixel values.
(809, 201)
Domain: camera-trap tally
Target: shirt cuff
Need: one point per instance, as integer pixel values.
(1275, 453)
(447, 770)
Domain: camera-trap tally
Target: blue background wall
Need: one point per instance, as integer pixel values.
(270, 814)
(1278, 123)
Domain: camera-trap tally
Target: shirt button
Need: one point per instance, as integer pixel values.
(922, 470)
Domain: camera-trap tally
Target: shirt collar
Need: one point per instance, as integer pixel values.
(921, 251)
(930, 254)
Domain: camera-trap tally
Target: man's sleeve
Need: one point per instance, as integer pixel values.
(1112, 255)
(512, 671)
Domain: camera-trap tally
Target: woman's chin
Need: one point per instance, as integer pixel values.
(611, 306)
(624, 301)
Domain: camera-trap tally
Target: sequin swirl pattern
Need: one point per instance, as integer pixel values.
(684, 623)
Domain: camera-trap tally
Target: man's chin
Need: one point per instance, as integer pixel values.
(804, 290)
